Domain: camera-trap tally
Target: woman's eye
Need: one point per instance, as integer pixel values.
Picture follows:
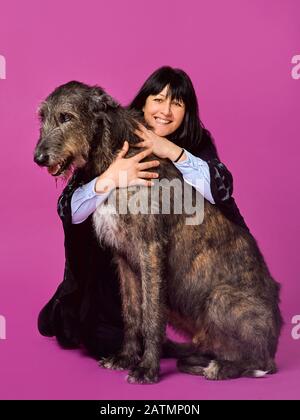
(63, 118)
(157, 100)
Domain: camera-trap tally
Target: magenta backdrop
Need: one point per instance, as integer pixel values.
(239, 56)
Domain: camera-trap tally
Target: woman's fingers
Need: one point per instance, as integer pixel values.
(143, 182)
(142, 155)
(124, 150)
(140, 125)
(148, 175)
(140, 134)
(146, 165)
(142, 128)
(140, 144)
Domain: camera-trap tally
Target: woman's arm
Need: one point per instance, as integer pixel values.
(85, 200)
(216, 188)
(194, 169)
(201, 174)
(217, 180)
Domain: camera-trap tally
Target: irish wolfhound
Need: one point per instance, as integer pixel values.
(208, 280)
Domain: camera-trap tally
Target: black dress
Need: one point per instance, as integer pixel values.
(86, 308)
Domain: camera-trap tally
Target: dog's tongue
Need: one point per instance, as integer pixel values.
(53, 169)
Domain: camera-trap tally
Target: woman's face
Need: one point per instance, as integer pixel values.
(163, 114)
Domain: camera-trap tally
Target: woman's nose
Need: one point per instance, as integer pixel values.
(166, 108)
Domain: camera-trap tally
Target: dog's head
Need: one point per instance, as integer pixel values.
(70, 118)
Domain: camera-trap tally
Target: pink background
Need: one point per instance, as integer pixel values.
(238, 54)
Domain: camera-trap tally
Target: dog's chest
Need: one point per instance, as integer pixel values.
(122, 219)
(106, 224)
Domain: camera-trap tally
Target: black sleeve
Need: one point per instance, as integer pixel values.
(221, 184)
(60, 316)
(64, 202)
(221, 181)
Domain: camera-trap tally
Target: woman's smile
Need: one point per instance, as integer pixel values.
(162, 121)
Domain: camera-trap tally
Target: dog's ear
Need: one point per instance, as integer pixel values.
(101, 102)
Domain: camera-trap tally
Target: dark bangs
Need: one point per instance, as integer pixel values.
(178, 88)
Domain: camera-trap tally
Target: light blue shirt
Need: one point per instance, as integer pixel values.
(85, 199)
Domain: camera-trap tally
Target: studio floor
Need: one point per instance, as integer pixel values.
(35, 367)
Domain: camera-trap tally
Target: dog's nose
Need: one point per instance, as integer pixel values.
(41, 159)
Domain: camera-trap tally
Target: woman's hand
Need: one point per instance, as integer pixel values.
(124, 172)
(160, 146)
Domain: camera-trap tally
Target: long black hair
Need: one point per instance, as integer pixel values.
(191, 134)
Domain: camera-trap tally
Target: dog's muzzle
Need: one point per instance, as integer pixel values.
(54, 168)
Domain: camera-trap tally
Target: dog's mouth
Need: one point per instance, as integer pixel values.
(58, 168)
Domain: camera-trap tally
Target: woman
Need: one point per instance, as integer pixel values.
(86, 308)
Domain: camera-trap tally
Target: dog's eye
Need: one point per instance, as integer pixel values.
(63, 118)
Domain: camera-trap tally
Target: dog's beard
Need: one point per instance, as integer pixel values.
(54, 170)
(60, 167)
(66, 165)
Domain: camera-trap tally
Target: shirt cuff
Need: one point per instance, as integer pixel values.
(88, 190)
(85, 200)
(190, 162)
(193, 170)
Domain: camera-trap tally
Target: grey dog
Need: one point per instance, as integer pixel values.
(208, 280)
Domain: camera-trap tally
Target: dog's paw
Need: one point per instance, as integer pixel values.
(142, 375)
(118, 362)
(212, 371)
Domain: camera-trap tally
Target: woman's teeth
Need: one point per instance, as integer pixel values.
(161, 121)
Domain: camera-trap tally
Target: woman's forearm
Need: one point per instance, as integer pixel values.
(174, 151)
(85, 200)
(195, 171)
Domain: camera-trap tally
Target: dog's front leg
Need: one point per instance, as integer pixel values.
(153, 314)
(130, 354)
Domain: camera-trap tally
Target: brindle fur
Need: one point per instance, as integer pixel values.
(209, 281)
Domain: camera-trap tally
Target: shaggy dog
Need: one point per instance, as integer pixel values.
(208, 280)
